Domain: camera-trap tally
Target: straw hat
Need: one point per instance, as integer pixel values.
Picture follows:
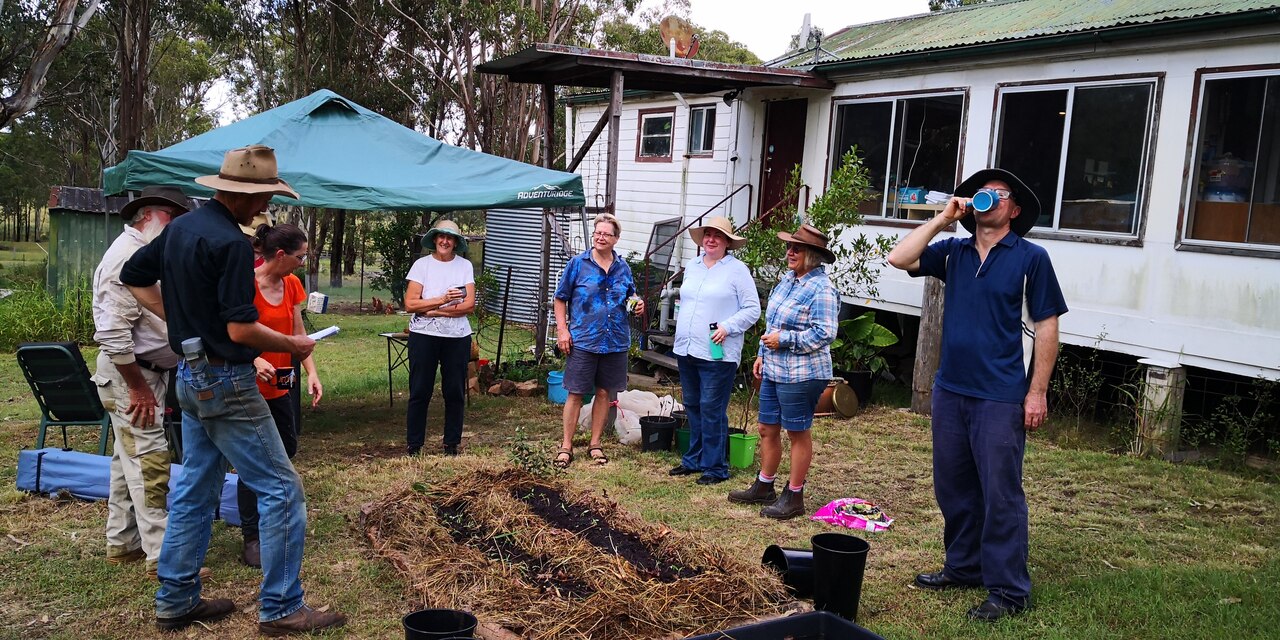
(250, 169)
(164, 196)
(1022, 195)
(251, 229)
(809, 236)
(449, 228)
(721, 224)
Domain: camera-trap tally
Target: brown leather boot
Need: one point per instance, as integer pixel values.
(204, 611)
(304, 620)
(789, 505)
(758, 493)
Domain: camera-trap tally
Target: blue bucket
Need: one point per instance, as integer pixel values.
(555, 387)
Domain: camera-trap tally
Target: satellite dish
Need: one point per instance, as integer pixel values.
(678, 29)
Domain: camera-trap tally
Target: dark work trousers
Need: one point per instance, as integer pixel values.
(282, 413)
(450, 355)
(977, 479)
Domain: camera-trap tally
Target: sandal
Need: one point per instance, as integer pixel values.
(563, 463)
(601, 459)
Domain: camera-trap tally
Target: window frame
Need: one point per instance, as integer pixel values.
(1145, 173)
(894, 97)
(640, 118)
(1191, 166)
(688, 145)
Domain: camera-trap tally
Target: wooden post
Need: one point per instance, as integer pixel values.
(928, 347)
(544, 273)
(615, 124)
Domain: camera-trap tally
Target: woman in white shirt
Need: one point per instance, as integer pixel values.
(440, 294)
(718, 303)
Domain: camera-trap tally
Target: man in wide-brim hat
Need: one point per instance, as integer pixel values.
(132, 374)
(999, 344)
(206, 265)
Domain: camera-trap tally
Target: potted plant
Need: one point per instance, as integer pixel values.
(855, 354)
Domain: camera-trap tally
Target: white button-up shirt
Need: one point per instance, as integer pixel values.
(724, 293)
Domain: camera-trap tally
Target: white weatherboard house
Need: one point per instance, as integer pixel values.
(1150, 129)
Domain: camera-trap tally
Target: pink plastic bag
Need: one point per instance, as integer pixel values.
(854, 513)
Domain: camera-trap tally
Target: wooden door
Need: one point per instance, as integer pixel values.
(784, 125)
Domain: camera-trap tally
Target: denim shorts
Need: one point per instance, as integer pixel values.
(790, 404)
(585, 371)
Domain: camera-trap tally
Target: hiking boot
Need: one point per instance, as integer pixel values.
(126, 557)
(788, 505)
(758, 493)
(304, 620)
(204, 611)
(252, 554)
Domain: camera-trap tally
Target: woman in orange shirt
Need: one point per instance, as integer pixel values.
(278, 299)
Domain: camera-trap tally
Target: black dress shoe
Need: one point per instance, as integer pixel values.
(681, 471)
(451, 449)
(204, 611)
(940, 582)
(708, 479)
(989, 611)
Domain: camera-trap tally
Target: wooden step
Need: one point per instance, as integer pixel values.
(663, 339)
(660, 359)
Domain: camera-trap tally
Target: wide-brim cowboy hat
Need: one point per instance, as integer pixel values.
(809, 236)
(449, 228)
(251, 229)
(152, 196)
(721, 224)
(250, 169)
(1023, 196)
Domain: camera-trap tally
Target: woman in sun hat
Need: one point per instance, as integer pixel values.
(794, 366)
(441, 293)
(718, 303)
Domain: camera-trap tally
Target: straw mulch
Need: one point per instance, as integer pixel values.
(476, 544)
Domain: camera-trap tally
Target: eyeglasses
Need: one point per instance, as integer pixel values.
(301, 257)
(603, 234)
(1003, 194)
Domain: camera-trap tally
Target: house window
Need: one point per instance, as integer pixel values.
(909, 146)
(654, 143)
(702, 130)
(1235, 183)
(1083, 150)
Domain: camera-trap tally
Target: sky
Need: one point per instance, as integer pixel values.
(766, 26)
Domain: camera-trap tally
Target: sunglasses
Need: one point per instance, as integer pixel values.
(795, 248)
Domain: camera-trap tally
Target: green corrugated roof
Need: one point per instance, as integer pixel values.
(1010, 20)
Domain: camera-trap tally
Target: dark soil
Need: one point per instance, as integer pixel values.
(549, 505)
(540, 571)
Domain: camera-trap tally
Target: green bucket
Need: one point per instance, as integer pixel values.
(742, 450)
(682, 440)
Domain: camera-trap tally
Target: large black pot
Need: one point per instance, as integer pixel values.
(861, 383)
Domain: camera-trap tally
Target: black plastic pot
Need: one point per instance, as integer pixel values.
(839, 561)
(438, 624)
(861, 382)
(657, 433)
(795, 567)
(814, 625)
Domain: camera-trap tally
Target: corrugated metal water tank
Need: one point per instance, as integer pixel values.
(513, 238)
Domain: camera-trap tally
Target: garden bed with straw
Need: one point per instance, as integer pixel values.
(542, 560)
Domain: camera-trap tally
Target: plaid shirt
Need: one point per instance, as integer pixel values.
(804, 311)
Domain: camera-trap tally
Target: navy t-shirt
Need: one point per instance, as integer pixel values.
(206, 265)
(990, 310)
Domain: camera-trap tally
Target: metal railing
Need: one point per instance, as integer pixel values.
(648, 290)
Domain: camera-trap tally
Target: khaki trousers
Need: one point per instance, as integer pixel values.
(137, 507)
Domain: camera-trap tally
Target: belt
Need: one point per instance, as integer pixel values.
(150, 366)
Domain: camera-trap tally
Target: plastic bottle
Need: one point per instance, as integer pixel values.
(717, 351)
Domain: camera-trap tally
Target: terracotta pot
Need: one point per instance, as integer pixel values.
(826, 403)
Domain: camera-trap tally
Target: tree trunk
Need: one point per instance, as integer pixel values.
(354, 237)
(335, 250)
(62, 27)
(313, 254)
(133, 35)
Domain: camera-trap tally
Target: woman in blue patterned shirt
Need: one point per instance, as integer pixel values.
(794, 366)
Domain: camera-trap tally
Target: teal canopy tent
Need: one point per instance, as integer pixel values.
(338, 154)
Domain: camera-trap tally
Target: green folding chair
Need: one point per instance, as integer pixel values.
(60, 381)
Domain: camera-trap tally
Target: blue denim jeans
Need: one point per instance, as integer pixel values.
(225, 418)
(706, 385)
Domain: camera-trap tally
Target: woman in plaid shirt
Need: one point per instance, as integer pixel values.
(794, 366)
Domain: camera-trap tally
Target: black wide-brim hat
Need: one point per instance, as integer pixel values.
(1022, 195)
(171, 196)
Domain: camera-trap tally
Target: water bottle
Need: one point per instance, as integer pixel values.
(717, 350)
(984, 200)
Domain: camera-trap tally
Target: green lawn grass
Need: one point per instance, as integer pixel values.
(1120, 547)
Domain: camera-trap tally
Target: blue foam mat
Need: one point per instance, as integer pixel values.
(88, 476)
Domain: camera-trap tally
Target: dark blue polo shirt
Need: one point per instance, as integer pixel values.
(990, 311)
(206, 266)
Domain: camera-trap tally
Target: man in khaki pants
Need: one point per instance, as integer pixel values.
(133, 378)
